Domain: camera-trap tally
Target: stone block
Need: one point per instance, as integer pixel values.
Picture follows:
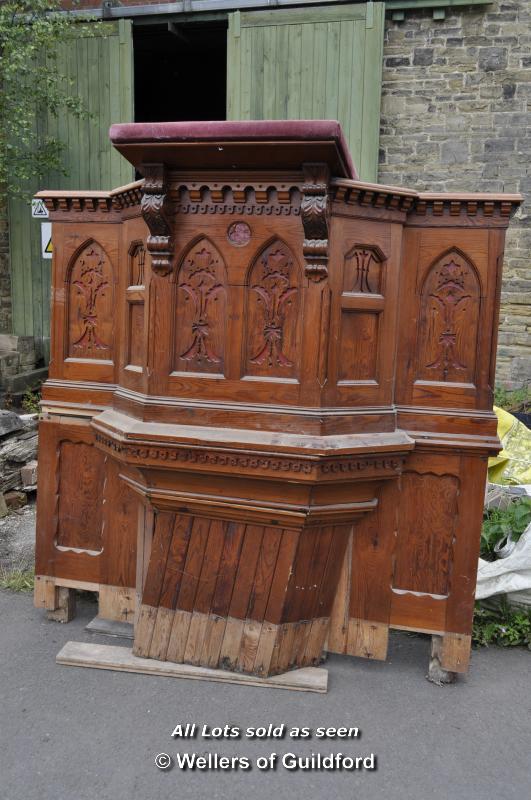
(397, 61)
(9, 362)
(28, 474)
(15, 500)
(491, 59)
(19, 383)
(520, 370)
(423, 56)
(9, 422)
(454, 151)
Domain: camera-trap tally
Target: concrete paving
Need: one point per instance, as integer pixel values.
(69, 733)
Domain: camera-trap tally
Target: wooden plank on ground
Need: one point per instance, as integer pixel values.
(103, 656)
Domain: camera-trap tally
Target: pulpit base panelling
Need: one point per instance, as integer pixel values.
(86, 516)
(404, 564)
(244, 597)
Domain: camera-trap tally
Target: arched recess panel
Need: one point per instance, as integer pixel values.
(90, 317)
(448, 322)
(362, 305)
(201, 332)
(272, 334)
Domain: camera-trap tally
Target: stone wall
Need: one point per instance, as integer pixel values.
(456, 115)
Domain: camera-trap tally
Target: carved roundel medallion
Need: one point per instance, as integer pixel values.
(239, 234)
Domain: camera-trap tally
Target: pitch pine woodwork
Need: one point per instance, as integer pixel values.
(269, 408)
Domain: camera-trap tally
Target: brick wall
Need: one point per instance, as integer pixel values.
(456, 115)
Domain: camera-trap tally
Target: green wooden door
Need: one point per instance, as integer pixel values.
(101, 69)
(321, 62)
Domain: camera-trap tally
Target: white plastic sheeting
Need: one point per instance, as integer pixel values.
(510, 576)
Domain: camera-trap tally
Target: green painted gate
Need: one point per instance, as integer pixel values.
(321, 62)
(101, 70)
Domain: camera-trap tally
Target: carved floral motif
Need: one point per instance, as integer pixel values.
(201, 317)
(90, 304)
(275, 295)
(449, 320)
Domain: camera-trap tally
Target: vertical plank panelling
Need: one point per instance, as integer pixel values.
(345, 77)
(234, 100)
(104, 76)
(270, 71)
(308, 56)
(281, 76)
(320, 45)
(356, 89)
(101, 68)
(332, 70)
(257, 91)
(243, 73)
(126, 94)
(372, 83)
(321, 62)
(294, 71)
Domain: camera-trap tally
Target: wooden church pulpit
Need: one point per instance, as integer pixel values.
(270, 399)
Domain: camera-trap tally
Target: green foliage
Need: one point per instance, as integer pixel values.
(513, 399)
(31, 88)
(31, 400)
(503, 626)
(17, 580)
(498, 523)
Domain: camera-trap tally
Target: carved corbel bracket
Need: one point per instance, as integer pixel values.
(154, 205)
(315, 214)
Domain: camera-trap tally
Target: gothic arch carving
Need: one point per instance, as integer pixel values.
(200, 333)
(272, 336)
(90, 299)
(137, 258)
(449, 320)
(363, 270)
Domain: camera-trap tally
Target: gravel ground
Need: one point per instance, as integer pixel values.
(17, 539)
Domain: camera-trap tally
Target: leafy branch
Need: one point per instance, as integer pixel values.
(32, 88)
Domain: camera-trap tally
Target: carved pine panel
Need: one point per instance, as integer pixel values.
(137, 258)
(136, 334)
(135, 298)
(81, 485)
(272, 336)
(359, 346)
(448, 322)
(90, 294)
(426, 530)
(363, 270)
(200, 332)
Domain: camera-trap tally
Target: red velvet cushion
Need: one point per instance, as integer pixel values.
(252, 130)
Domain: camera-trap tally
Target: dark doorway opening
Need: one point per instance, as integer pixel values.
(180, 71)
